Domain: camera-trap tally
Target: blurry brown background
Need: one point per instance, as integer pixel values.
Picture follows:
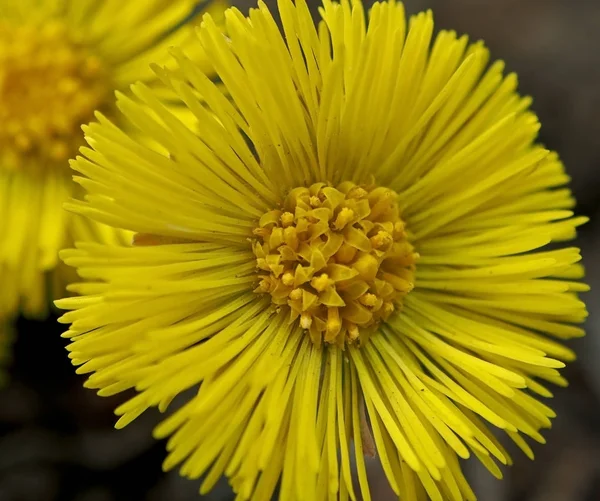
(57, 441)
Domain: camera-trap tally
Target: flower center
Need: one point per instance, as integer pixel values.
(49, 86)
(339, 258)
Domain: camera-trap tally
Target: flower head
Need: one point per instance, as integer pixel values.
(59, 62)
(347, 253)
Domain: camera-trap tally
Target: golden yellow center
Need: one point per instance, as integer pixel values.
(339, 258)
(49, 85)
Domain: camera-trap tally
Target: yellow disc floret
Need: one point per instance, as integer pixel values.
(339, 258)
(49, 85)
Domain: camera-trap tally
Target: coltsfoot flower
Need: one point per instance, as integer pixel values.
(60, 61)
(348, 256)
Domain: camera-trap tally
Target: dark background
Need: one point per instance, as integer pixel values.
(56, 438)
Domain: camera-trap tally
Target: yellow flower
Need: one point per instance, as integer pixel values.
(348, 256)
(60, 61)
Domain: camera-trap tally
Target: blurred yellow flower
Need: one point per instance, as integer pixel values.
(349, 252)
(60, 61)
